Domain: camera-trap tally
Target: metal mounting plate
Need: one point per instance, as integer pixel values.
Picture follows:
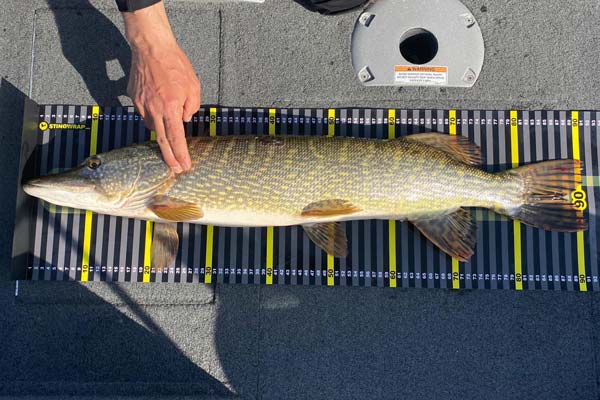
(448, 28)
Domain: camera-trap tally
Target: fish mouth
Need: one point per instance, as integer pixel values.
(61, 189)
(62, 185)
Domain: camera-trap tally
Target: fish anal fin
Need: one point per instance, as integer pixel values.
(329, 208)
(454, 233)
(175, 210)
(458, 147)
(329, 236)
(165, 244)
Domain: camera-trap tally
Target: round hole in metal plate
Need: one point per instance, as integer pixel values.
(418, 46)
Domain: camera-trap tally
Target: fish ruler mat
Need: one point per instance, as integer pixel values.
(62, 244)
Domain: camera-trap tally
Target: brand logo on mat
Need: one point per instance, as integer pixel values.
(44, 126)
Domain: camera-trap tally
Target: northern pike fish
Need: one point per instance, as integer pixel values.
(427, 179)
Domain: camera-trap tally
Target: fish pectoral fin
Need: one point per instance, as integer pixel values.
(453, 233)
(175, 210)
(458, 147)
(165, 243)
(329, 236)
(329, 207)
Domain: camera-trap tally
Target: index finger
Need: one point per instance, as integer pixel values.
(176, 137)
(165, 147)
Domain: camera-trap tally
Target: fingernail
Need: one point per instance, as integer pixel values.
(177, 169)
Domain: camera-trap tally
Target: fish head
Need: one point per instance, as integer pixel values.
(121, 178)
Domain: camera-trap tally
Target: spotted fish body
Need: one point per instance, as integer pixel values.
(427, 179)
(258, 181)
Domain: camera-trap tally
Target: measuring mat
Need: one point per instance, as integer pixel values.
(55, 243)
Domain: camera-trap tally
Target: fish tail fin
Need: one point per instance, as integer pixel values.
(550, 192)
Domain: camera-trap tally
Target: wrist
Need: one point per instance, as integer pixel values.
(148, 28)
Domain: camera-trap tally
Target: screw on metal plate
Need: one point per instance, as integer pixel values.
(469, 76)
(366, 18)
(365, 74)
(469, 20)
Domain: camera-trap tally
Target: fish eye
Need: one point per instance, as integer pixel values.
(93, 163)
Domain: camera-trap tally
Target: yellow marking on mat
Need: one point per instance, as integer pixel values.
(391, 124)
(87, 229)
(87, 238)
(272, 121)
(452, 121)
(581, 262)
(575, 135)
(148, 252)
(148, 239)
(514, 150)
(269, 261)
(518, 264)
(580, 238)
(330, 262)
(455, 263)
(392, 242)
(94, 131)
(514, 138)
(455, 274)
(330, 270)
(330, 258)
(208, 264)
(212, 120)
(392, 224)
(331, 122)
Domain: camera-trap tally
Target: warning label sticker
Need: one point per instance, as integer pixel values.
(422, 75)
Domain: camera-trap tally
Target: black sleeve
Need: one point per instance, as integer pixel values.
(132, 5)
(328, 7)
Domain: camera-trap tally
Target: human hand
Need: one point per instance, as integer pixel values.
(162, 83)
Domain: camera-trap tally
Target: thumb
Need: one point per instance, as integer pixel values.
(190, 107)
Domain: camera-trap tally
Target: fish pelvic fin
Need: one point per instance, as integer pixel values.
(552, 196)
(175, 210)
(329, 236)
(453, 233)
(165, 244)
(329, 208)
(458, 147)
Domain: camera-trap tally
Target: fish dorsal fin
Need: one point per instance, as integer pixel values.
(175, 210)
(453, 233)
(329, 208)
(165, 243)
(329, 236)
(458, 147)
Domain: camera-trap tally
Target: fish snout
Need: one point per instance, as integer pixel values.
(59, 184)
(31, 185)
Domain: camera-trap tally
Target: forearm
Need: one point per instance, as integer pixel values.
(162, 83)
(148, 28)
